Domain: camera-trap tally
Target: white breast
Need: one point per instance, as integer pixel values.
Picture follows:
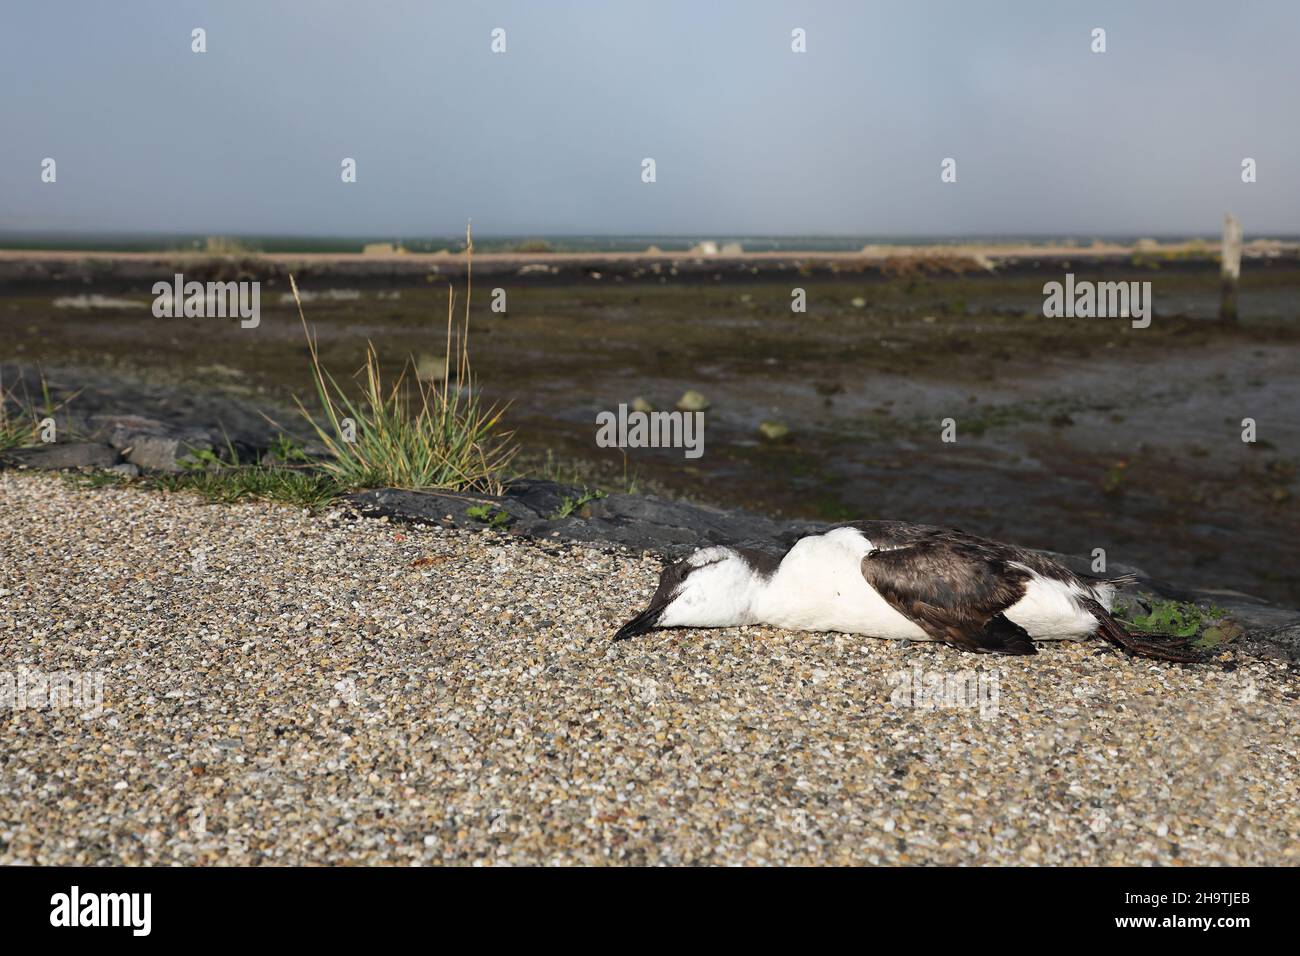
(820, 587)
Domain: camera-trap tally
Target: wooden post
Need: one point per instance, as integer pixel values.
(1231, 268)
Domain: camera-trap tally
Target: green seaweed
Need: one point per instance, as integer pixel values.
(1176, 619)
(489, 515)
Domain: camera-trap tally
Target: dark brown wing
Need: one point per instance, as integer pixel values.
(953, 589)
(895, 534)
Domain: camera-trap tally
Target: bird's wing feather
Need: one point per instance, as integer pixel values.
(953, 589)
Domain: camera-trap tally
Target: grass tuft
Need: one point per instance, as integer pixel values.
(20, 417)
(94, 479)
(418, 432)
(306, 488)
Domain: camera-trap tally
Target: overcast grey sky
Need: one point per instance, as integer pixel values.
(749, 138)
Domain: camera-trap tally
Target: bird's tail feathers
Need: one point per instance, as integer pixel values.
(1158, 647)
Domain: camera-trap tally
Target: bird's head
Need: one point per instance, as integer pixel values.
(714, 587)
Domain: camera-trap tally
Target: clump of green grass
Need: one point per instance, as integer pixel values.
(417, 432)
(223, 479)
(285, 449)
(17, 423)
(306, 488)
(20, 417)
(94, 479)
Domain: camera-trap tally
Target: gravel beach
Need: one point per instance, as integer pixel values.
(281, 688)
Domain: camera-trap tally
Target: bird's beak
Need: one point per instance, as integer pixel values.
(641, 624)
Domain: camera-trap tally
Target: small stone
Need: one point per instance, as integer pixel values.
(692, 401)
(430, 367)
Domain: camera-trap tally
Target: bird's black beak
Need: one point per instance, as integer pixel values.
(641, 624)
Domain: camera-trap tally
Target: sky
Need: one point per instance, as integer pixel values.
(748, 137)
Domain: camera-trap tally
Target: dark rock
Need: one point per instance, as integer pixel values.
(670, 528)
(122, 410)
(58, 455)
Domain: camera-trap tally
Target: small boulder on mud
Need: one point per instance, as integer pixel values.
(150, 444)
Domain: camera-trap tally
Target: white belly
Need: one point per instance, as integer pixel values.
(820, 587)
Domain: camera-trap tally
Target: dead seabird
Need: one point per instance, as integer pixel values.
(888, 579)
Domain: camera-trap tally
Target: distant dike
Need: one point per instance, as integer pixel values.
(57, 270)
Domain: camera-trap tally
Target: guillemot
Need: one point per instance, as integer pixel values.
(889, 579)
